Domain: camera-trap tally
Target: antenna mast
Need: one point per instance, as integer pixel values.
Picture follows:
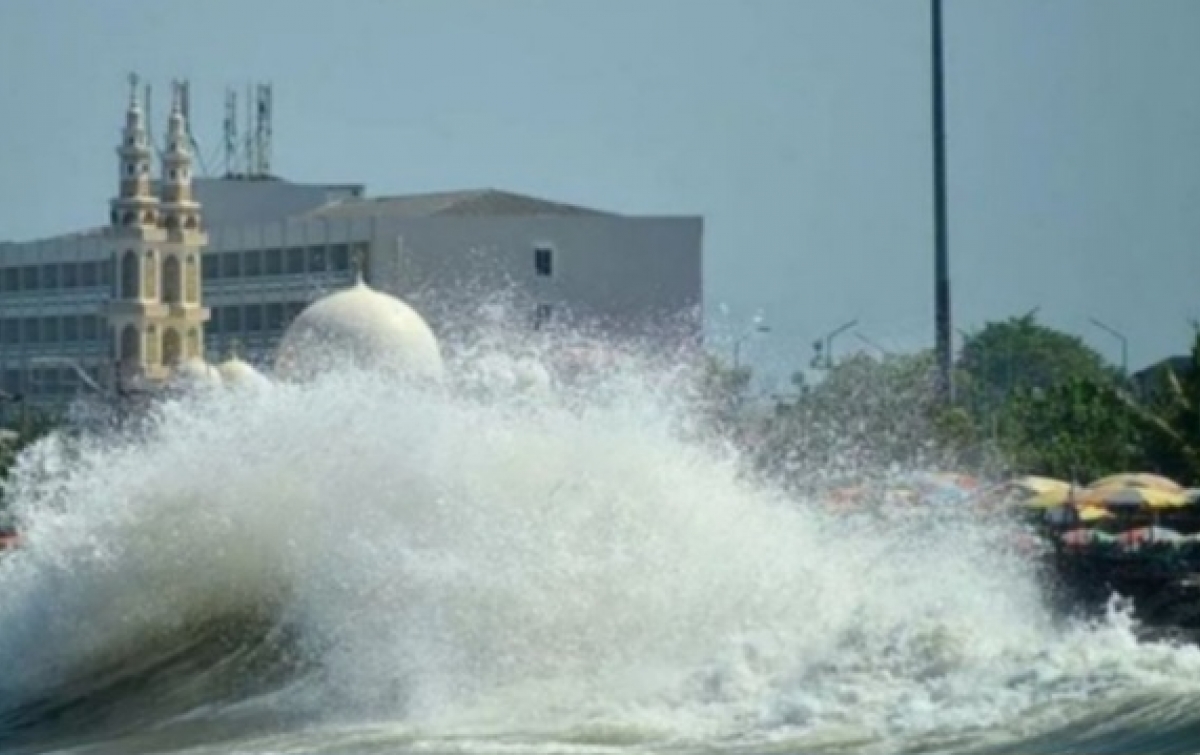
(230, 130)
(262, 131)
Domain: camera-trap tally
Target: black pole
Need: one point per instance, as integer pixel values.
(941, 260)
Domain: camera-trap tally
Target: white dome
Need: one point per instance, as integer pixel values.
(196, 372)
(238, 374)
(364, 327)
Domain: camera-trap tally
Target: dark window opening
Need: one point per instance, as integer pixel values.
(273, 263)
(543, 261)
(252, 265)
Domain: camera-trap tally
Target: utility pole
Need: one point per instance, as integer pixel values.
(941, 260)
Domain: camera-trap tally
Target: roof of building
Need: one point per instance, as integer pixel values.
(474, 202)
(246, 201)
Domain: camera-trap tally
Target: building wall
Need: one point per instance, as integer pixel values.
(629, 276)
(626, 276)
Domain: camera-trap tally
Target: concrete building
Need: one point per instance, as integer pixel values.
(266, 248)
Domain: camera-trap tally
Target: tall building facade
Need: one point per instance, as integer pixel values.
(191, 266)
(155, 316)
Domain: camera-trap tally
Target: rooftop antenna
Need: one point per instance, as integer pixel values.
(230, 130)
(249, 136)
(263, 130)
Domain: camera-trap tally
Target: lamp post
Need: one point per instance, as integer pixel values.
(758, 327)
(1120, 337)
(941, 259)
(826, 344)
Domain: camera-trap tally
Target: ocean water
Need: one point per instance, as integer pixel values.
(356, 565)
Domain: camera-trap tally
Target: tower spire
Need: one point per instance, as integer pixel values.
(179, 210)
(134, 206)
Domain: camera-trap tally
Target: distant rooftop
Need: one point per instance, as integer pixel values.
(244, 201)
(474, 202)
(238, 201)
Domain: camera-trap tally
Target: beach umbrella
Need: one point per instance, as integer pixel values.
(1142, 535)
(1053, 498)
(1032, 485)
(1137, 480)
(1131, 497)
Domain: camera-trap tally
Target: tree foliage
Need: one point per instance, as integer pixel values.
(1018, 355)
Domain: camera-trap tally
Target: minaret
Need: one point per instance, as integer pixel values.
(155, 315)
(134, 237)
(183, 334)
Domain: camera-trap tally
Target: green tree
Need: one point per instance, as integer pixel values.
(1168, 414)
(1019, 355)
(1078, 429)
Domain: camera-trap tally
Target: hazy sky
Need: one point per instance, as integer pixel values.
(798, 128)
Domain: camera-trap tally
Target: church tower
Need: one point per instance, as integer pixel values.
(155, 316)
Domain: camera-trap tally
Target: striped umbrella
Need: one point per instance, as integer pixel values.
(1137, 480)
(1131, 497)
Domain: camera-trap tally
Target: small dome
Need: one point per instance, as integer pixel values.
(238, 374)
(195, 372)
(363, 327)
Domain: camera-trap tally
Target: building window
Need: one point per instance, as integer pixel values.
(50, 332)
(274, 314)
(130, 348)
(171, 347)
(32, 333)
(252, 265)
(231, 265)
(89, 327)
(50, 276)
(316, 259)
(273, 262)
(87, 274)
(233, 320)
(541, 316)
(543, 261)
(214, 321)
(191, 281)
(70, 329)
(29, 278)
(106, 272)
(70, 275)
(209, 267)
(292, 310)
(170, 280)
(253, 318)
(12, 279)
(129, 275)
(339, 257)
(12, 331)
(295, 261)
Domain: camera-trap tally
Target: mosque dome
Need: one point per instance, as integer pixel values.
(238, 374)
(362, 327)
(195, 372)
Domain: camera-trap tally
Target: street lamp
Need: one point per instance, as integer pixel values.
(826, 344)
(941, 256)
(1120, 337)
(758, 327)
